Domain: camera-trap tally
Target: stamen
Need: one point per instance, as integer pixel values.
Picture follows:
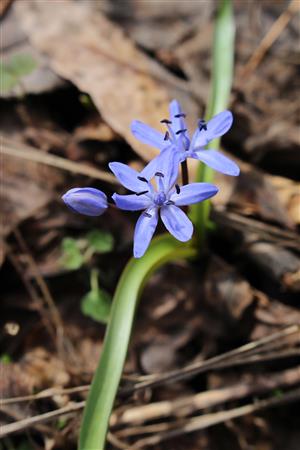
(159, 174)
(166, 121)
(170, 202)
(181, 131)
(141, 193)
(202, 125)
(147, 214)
(180, 115)
(177, 189)
(143, 179)
(167, 136)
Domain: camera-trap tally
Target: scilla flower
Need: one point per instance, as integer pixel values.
(178, 137)
(164, 200)
(87, 201)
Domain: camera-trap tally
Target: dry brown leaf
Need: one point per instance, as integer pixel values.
(86, 48)
(26, 187)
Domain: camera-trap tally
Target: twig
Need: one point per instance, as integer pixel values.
(18, 150)
(208, 420)
(199, 367)
(55, 315)
(271, 36)
(187, 405)
(45, 394)
(24, 424)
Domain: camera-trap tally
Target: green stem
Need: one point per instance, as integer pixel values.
(107, 377)
(222, 74)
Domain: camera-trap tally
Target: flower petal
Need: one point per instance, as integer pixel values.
(168, 165)
(147, 135)
(88, 201)
(216, 127)
(144, 231)
(177, 222)
(132, 202)
(217, 161)
(178, 123)
(193, 193)
(127, 176)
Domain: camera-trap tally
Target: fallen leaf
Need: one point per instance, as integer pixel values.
(86, 48)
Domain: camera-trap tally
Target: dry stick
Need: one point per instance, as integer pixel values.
(33, 294)
(208, 420)
(24, 424)
(45, 394)
(54, 312)
(187, 405)
(15, 149)
(77, 389)
(199, 367)
(274, 32)
(198, 401)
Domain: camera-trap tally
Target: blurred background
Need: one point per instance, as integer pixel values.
(74, 74)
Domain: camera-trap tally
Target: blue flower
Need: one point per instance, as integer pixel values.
(164, 199)
(178, 137)
(88, 201)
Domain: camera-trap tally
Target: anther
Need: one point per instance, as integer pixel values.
(180, 115)
(181, 131)
(166, 121)
(159, 174)
(202, 125)
(177, 189)
(170, 202)
(167, 136)
(143, 179)
(141, 193)
(147, 214)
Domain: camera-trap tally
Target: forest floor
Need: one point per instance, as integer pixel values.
(189, 380)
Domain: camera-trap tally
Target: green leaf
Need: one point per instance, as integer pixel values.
(107, 377)
(8, 79)
(100, 241)
(96, 304)
(72, 257)
(5, 358)
(17, 67)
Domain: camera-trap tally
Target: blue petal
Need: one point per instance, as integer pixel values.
(88, 201)
(194, 193)
(217, 161)
(127, 176)
(132, 202)
(168, 165)
(144, 231)
(178, 123)
(176, 222)
(147, 135)
(216, 127)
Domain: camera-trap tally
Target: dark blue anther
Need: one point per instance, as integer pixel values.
(147, 214)
(159, 174)
(177, 189)
(141, 193)
(181, 131)
(166, 121)
(180, 115)
(202, 125)
(167, 136)
(143, 179)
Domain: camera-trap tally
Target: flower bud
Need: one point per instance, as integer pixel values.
(88, 201)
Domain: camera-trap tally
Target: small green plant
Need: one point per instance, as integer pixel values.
(77, 253)
(5, 358)
(15, 69)
(97, 302)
